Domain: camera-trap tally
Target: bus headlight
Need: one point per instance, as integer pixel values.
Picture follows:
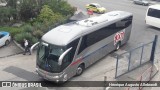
(57, 81)
(36, 69)
(55, 76)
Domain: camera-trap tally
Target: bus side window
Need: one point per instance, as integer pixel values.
(74, 45)
(124, 23)
(129, 21)
(83, 44)
(97, 36)
(103, 33)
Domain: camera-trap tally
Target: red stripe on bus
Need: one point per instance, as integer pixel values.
(76, 62)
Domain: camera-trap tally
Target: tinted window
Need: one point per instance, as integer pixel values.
(1, 36)
(154, 13)
(125, 23)
(105, 32)
(96, 36)
(69, 57)
(100, 34)
(92, 5)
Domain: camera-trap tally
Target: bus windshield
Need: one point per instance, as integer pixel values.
(48, 55)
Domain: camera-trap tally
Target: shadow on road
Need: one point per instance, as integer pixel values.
(154, 28)
(29, 76)
(32, 77)
(21, 73)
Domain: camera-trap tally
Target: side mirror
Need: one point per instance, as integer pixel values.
(33, 46)
(62, 56)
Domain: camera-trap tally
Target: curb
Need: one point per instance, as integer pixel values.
(18, 45)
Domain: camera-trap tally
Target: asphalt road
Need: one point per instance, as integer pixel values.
(23, 67)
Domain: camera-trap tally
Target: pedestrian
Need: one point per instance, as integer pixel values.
(26, 46)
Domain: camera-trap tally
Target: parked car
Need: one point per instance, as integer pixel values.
(4, 38)
(141, 2)
(95, 7)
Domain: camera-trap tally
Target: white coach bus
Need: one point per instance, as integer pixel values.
(68, 49)
(153, 16)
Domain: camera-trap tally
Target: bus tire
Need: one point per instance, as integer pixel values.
(118, 46)
(80, 70)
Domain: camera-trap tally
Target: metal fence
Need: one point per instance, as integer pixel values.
(145, 76)
(134, 58)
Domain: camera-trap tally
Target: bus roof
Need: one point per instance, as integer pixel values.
(156, 6)
(64, 34)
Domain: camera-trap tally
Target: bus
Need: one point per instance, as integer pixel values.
(153, 16)
(67, 50)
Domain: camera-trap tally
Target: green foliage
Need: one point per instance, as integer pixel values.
(25, 35)
(38, 34)
(12, 3)
(39, 30)
(49, 18)
(40, 26)
(34, 40)
(53, 5)
(61, 6)
(37, 25)
(58, 18)
(6, 13)
(28, 28)
(28, 10)
(42, 15)
(46, 14)
(65, 8)
(13, 31)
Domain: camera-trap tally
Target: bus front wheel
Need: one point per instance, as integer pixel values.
(80, 70)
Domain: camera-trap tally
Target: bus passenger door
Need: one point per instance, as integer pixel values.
(67, 63)
(84, 53)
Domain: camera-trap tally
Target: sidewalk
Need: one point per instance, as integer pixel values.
(157, 76)
(135, 75)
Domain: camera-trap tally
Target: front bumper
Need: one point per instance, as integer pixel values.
(55, 77)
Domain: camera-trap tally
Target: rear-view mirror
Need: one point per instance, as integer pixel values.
(62, 56)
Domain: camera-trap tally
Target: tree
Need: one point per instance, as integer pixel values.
(6, 13)
(65, 8)
(49, 18)
(61, 6)
(28, 10)
(47, 15)
(12, 3)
